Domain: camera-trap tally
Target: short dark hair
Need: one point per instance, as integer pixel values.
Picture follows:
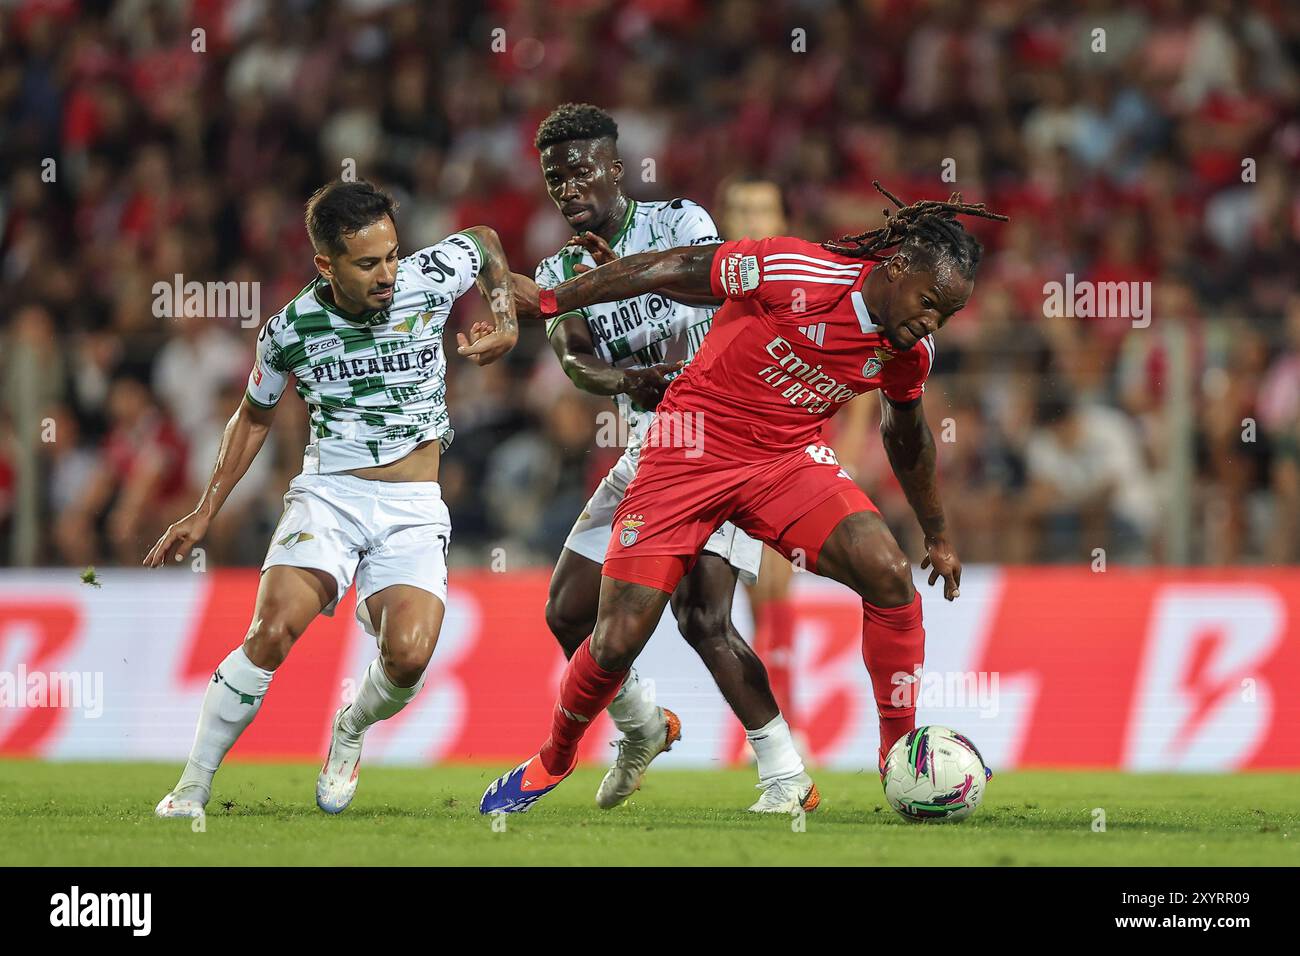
(570, 121)
(341, 208)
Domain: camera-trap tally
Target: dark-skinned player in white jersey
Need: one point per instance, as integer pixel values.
(806, 328)
(627, 350)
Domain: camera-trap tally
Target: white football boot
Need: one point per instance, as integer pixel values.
(788, 795)
(185, 802)
(634, 756)
(337, 783)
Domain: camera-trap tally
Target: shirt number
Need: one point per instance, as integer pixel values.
(822, 454)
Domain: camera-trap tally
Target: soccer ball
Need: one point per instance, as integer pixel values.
(934, 773)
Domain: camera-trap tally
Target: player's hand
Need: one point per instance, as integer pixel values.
(942, 561)
(646, 386)
(178, 539)
(594, 244)
(486, 343)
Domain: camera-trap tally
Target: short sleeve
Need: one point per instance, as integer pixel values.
(904, 378)
(689, 224)
(547, 275)
(789, 276)
(450, 266)
(270, 376)
(736, 273)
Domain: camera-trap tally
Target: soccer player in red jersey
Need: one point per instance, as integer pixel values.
(738, 436)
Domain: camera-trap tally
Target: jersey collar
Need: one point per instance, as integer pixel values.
(368, 317)
(627, 222)
(866, 322)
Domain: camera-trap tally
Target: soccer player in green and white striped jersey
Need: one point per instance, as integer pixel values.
(363, 340)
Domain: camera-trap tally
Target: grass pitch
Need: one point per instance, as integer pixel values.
(102, 814)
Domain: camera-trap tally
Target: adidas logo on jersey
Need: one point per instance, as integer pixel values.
(816, 333)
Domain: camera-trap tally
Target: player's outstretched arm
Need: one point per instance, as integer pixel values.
(496, 283)
(242, 440)
(911, 450)
(685, 270)
(576, 351)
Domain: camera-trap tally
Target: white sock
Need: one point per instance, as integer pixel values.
(774, 748)
(378, 698)
(633, 706)
(232, 700)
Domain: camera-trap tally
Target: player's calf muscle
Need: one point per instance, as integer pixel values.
(699, 622)
(702, 602)
(572, 601)
(569, 626)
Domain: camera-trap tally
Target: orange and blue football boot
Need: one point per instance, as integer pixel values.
(518, 790)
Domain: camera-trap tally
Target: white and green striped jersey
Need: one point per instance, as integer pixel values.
(374, 384)
(647, 329)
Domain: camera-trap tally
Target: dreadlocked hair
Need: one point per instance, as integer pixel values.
(926, 232)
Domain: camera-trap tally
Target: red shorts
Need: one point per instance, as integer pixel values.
(791, 501)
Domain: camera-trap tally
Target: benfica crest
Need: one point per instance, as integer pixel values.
(627, 537)
(876, 363)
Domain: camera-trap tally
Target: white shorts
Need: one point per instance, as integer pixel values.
(379, 533)
(591, 532)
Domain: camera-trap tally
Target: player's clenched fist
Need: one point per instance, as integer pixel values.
(180, 538)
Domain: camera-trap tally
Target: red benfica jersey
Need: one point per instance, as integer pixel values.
(791, 346)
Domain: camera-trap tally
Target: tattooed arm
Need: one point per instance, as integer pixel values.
(496, 283)
(685, 270)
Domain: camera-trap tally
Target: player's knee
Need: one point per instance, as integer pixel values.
(887, 581)
(406, 656)
(698, 623)
(615, 648)
(611, 653)
(269, 640)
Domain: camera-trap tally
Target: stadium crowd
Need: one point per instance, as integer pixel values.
(144, 140)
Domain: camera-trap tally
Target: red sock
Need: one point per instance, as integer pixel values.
(774, 643)
(893, 645)
(585, 690)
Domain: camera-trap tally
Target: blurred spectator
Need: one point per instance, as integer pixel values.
(138, 487)
(199, 359)
(1088, 486)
